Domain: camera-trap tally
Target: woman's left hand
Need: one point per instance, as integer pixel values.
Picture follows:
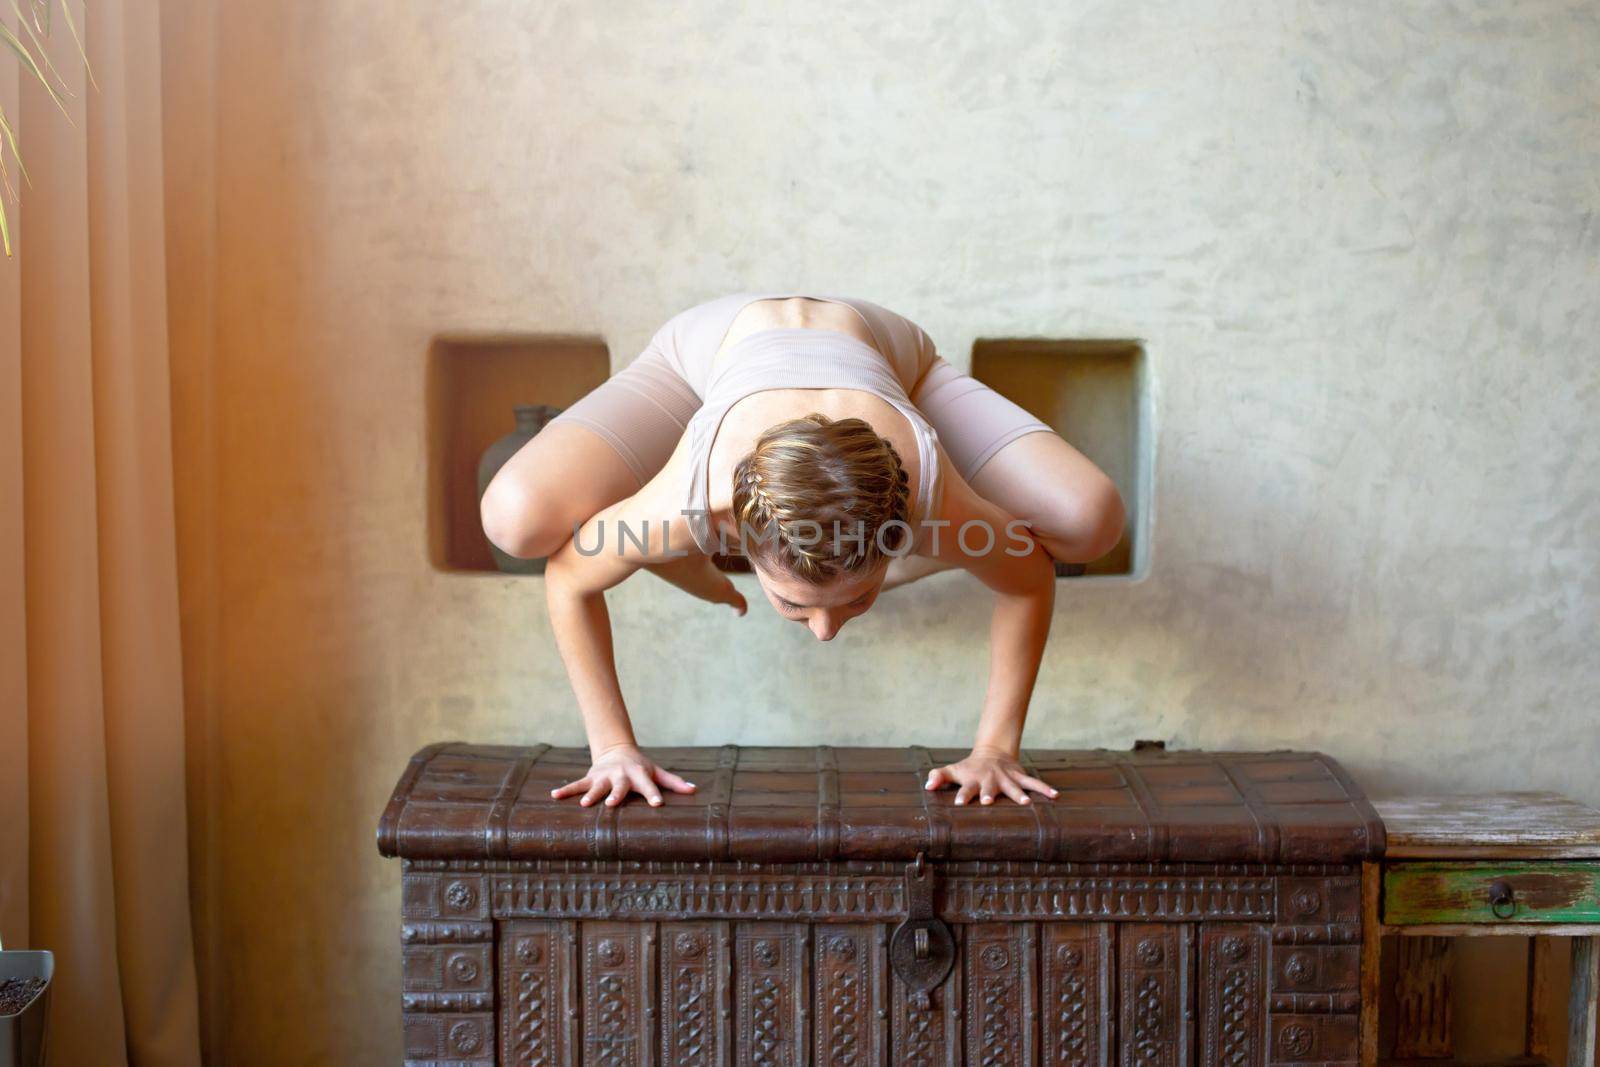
(696, 575)
(986, 774)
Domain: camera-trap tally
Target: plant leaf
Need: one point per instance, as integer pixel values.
(5, 182)
(11, 139)
(42, 52)
(5, 231)
(22, 52)
(72, 27)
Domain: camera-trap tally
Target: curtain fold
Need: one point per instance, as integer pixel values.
(89, 566)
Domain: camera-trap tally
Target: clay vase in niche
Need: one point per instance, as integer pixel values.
(530, 419)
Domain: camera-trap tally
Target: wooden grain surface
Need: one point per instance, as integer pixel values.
(748, 923)
(1538, 891)
(1489, 825)
(1425, 1029)
(1536, 1033)
(796, 805)
(1371, 961)
(1583, 1003)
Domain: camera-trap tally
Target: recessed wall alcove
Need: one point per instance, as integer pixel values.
(1095, 394)
(474, 381)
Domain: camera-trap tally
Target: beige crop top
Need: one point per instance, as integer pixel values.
(800, 358)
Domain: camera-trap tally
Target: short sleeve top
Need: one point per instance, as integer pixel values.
(800, 358)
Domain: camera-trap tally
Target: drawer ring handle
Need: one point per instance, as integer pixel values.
(1502, 899)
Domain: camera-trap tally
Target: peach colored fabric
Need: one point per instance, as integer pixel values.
(91, 713)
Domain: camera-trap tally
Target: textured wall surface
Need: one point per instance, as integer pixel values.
(1359, 241)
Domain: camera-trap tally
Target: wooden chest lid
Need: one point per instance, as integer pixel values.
(794, 805)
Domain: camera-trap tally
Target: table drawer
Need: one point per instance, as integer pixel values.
(1534, 892)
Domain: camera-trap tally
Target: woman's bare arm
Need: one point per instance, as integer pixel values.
(1022, 576)
(696, 575)
(641, 531)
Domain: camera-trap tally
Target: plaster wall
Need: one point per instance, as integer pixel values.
(1358, 241)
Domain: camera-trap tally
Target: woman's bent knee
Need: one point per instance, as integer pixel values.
(516, 523)
(558, 480)
(1086, 526)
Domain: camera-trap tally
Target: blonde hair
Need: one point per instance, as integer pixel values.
(813, 495)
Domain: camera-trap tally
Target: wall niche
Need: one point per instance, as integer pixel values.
(474, 381)
(1094, 393)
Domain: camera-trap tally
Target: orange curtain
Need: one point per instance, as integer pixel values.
(93, 853)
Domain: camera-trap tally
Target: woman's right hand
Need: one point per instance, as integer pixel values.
(618, 771)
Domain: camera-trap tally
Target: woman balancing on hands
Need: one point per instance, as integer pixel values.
(826, 439)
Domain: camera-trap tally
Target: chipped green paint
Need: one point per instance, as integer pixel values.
(1541, 892)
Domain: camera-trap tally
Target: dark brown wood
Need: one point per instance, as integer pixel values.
(771, 965)
(1424, 1025)
(1313, 1039)
(1233, 984)
(803, 804)
(538, 993)
(1076, 995)
(1536, 1040)
(1372, 985)
(1156, 963)
(851, 995)
(1172, 909)
(696, 994)
(1315, 978)
(1583, 1003)
(1012, 891)
(1002, 990)
(447, 976)
(619, 1001)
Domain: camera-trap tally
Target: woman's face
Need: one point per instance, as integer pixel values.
(823, 609)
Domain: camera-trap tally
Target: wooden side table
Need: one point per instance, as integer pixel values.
(1519, 864)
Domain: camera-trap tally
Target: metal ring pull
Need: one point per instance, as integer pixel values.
(1502, 899)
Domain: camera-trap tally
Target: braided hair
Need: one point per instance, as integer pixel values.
(816, 497)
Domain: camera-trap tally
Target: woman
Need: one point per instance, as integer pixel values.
(827, 438)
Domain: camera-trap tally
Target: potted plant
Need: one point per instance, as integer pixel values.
(24, 1006)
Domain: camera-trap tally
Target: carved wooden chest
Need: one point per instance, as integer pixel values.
(818, 906)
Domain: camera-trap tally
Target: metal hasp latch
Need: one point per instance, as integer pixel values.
(922, 950)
